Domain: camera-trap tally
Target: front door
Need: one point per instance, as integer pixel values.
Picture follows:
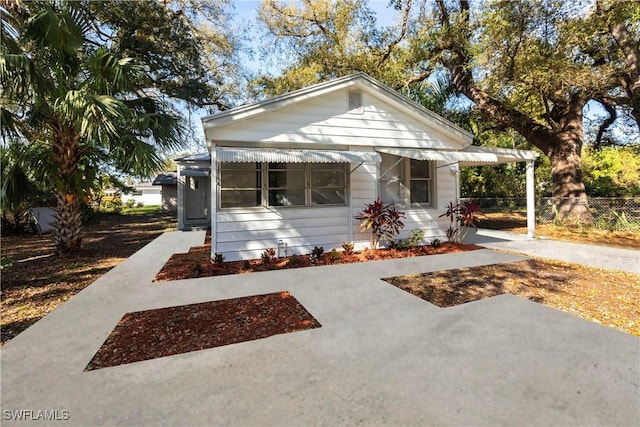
(196, 197)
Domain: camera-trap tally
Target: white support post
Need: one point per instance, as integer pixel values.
(180, 194)
(213, 203)
(531, 201)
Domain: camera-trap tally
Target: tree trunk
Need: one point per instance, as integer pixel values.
(68, 223)
(568, 190)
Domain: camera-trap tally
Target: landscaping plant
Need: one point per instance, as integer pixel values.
(218, 258)
(462, 215)
(294, 261)
(384, 221)
(414, 239)
(348, 248)
(316, 254)
(197, 269)
(268, 257)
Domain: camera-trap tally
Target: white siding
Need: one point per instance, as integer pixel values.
(426, 219)
(325, 120)
(364, 190)
(245, 234)
(429, 219)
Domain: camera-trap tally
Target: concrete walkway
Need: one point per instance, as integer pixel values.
(579, 253)
(381, 357)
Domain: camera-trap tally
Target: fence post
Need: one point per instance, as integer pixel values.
(531, 202)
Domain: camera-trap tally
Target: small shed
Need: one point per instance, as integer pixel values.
(168, 182)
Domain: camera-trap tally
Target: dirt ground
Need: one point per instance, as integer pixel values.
(37, 281)
(517, 222)
(604, 296)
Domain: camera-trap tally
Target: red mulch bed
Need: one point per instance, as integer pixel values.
(150, 334)
(197, 262)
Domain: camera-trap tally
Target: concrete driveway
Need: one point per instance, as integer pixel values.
(609, 257)
(381, 357)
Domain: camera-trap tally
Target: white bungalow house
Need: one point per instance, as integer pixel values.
(293, 171)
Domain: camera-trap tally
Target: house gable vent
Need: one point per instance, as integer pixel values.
(355, 101)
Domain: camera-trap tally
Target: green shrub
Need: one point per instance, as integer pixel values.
(197, 269)
(414, 239)
(6, 261)
(348, 248)
(294, 261)
(316, 254)
(218, 258)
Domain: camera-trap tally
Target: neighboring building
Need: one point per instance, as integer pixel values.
(297, 169)
(168, 182)
(144, 192)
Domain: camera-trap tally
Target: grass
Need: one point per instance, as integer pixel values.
(143, 210)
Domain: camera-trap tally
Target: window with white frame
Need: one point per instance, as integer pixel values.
(420, 183)
(407, 182)
(282, 184)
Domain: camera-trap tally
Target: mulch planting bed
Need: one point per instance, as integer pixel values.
(151, 334)
(604, 296)
(197, 262)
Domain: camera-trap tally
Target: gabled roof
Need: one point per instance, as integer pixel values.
(360, 80)
(198, 157)
(166, 178)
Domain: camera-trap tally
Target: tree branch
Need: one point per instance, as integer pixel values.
(400, 37)
(609, 106)
(458, 62)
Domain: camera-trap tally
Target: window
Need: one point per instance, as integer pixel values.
(328, 184)
(240, 185)
(420, 182)
(245, 185)
(407, 182)
(287, 184)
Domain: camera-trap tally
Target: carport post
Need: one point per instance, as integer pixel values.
(531, 200)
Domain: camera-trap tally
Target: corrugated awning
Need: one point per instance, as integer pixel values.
(250, 155)
(442, 156)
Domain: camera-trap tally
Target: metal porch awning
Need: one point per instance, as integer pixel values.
(282, 155)
(439, 155)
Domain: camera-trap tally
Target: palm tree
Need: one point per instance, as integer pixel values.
(81, 100)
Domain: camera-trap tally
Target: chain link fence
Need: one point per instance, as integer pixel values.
(609, 213)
